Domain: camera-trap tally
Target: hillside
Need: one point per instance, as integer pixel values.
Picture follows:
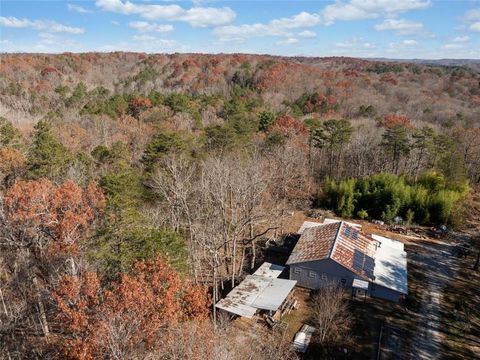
(33, 85)
(137, 190)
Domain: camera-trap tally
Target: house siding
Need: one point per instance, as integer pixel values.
(316, 274)
(382, 292)
(326, 271)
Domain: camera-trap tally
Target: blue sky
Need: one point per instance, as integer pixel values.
(359, 28)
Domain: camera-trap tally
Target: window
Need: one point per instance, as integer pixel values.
(297, 270)
(343, 281)
(312, 274)
(324, 277)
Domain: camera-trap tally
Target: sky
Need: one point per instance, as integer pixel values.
(400, 29)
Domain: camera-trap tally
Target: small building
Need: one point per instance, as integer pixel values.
(262, 291)
(339, 252)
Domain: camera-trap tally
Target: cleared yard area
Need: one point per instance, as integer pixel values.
(299, 316)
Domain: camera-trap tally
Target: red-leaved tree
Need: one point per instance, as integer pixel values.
(140, 313)
(390, 121)
(41, 211)
(288, 125)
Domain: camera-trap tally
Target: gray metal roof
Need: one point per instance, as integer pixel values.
(256, 292)
(269, 270)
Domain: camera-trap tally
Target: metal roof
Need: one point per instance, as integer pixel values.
(314, 244)
(269, 270)
(307, 225)
(391, 265)
(254, 293)
(380, 260)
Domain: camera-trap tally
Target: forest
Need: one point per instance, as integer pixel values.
(135, 189)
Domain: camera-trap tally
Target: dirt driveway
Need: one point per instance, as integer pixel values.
(439, 266)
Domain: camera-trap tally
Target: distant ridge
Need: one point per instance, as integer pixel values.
(472, 63)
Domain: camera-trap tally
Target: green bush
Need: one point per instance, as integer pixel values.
(362, 214)
(385, 196)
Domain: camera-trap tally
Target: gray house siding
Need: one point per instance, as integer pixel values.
(382, 292)
(315, 274)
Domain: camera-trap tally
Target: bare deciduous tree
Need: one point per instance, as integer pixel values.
(331, 315)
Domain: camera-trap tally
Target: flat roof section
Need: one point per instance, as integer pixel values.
(269, 270)
(256, 293)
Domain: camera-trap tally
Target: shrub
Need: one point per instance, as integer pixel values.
(386, 196)
(362, 214)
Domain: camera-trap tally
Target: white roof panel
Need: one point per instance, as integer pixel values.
(256, 292)
(236, 308)
(391, 265)
(274, 294)
(269, 270)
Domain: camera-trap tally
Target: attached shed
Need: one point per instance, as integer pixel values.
(260, 291)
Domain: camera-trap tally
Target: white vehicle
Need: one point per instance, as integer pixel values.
(303, 337)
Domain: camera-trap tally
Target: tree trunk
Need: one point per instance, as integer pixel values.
(254, 252)
(41, 309)
(214, 296)
(3, 302)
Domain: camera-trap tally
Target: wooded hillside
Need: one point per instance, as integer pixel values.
(136, 189)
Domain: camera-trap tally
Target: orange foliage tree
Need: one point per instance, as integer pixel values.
(390, 121)
(139, 104)
(132, 317)
(62, 213)
(11, 160)
(288, 125)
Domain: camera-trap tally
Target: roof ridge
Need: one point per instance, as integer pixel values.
(334, 244)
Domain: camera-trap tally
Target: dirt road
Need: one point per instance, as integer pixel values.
(440, 266)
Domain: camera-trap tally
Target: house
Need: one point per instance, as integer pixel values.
(260, 292)
(339, 252)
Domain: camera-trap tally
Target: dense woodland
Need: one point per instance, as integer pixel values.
(135, 188)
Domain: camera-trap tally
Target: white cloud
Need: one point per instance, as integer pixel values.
(144, 26)
(276, 27)
(452, 46)
(115, 22)
(356, 44)
(340, 10)
(401, 26)
(48, 38)
(77, 8)
(461, 39)
(143, 37)
(409, 42)
(195, 16)
(472, 17)
(402, 45)
(370, 9)
(307, 34)
(288, 41)
(44, 25)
